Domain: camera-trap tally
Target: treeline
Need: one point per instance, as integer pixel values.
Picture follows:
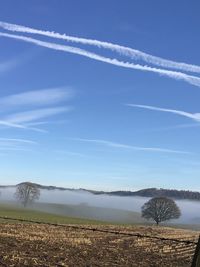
(154, 192)
(148, 192)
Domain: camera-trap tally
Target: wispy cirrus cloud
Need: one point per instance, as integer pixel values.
(194, 80)
(41, 97)
(28, 119)
(182, 126)
(16, 149)
(33, 115)
(8, 65)
(175, 127)
(130, 147)
(193, 116)
(17, 140)
(47, 122)
(16, 61)
(122, 50)
(16, 144)
(69, 153)
(7, 124)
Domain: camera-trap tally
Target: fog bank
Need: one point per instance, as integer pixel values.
(190, 209)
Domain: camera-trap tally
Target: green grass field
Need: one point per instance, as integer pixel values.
(66, 214)
(16, 212)
(77, 214)
(92, 213)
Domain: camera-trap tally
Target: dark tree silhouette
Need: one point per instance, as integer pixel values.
(27, 193)
(160, 209)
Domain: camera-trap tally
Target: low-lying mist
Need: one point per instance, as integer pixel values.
(83, 203)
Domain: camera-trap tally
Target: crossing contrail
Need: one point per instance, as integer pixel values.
(74, 50)
(122, 50)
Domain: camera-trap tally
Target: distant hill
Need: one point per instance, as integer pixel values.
(148, 192)
(154, 192)
(46, 187)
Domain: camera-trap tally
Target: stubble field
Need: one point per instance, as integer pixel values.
(99, 245)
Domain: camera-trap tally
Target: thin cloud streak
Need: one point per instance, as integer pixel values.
(21, 120)
(47, 122)
(8, 65)
(13, 125)
(175, 127)
(172, 74)
(16, 144)
(69, 153)
(36, 97)
(193, 116)
(33, 115)
(43, 97)
(124, 146)
(122, 50)
(6, 124)
(15, 149)
(17, 140)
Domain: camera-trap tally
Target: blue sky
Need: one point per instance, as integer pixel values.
(97, 112)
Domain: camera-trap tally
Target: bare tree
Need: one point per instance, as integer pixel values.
(160, 209)
(26, 193)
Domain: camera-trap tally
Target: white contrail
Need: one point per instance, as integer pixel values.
(193, 116)
(172, 74)
(125, 146)
(122, 50)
